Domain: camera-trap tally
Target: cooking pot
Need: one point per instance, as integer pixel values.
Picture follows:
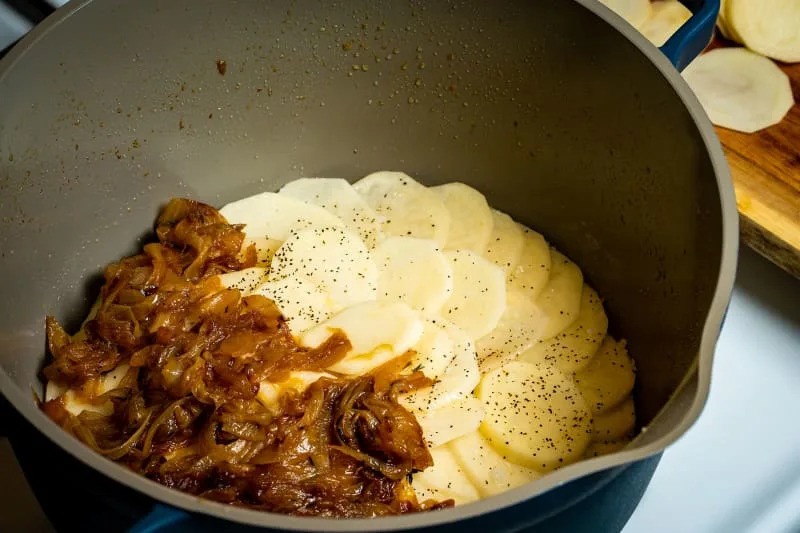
(558, 111)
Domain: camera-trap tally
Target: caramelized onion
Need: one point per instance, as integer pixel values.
(186, 412)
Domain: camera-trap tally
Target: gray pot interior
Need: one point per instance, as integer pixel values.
(112, 107)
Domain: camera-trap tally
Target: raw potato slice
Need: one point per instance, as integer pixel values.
(377, 331)
(246, 280)
(302, 303)
(408, 207)
(533, 269)
(433, 352)
(333, 259)
(605, 447)
(449, 422)
(616, 423)
(768, 27)
(413, 271)
(635, 12)
(458, 380)
(444, 480)
(265, 249)
(739, 89)
(608, 378)
(341, 199)
(535, 415)
(573, 348)
(479, 293)
(471, 219)
(274, 216)
(560, 300)
(666, 17)
(109, 381)
(505, 242)
(488, 470)
(269, 393)
(519, 328)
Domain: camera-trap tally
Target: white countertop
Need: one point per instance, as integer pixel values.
(736, 471)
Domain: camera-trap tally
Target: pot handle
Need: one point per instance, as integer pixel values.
(693, 37)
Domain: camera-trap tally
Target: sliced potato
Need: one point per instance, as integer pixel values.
(75, 405)
(274, 216)
(433, 352)
(533, 268)
(535, 416)
(299, 380)
(479, 293)
(487, 469)
(413, 271)
(265, 249)
(341, 199)
(560, 300)
(739, 89)
(666, 17)
(470, 217)
(519, 328)
(444, 480)
(378, 332)
(246, 280)
(605, 447)
(608, 378)
(505, 242)
(459, 417)
(768, 27)
(302, 303)
(635, 12)
(458, 380)
(408, 208)
(334, 259)
(616, 423)
(573, 348)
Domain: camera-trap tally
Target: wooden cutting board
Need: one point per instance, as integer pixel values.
(766, 175)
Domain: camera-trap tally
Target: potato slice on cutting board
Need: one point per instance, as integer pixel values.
(378, 332)
(302, 303)
(274, 216)
(616, 423)
(608, 378)
(459, 417)
(535, 415)
(408, 208)
(739, 89)
(486, 468)
(414, 271)
(444, 480)
(666, 17)
(635, 12)
(768, 27)
(519, 328)
(471, 219)
(560, 300)
(505, 242)
(573, 348)
(479, 293)
(332, 258)
(341, 199)
(533, 268)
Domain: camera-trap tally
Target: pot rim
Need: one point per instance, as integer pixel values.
(701, 378)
